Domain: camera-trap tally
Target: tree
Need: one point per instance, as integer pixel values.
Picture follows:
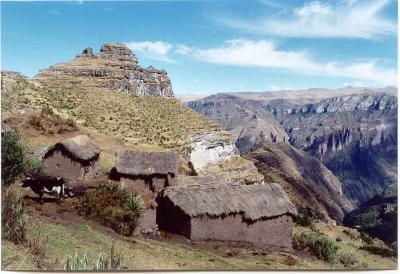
(14, 158)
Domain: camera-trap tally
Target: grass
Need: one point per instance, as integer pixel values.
(154, 121)
(322, 246)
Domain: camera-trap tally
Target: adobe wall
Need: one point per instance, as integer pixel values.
(147, 186)
(171, 218)
(60, 165)
(268, 233)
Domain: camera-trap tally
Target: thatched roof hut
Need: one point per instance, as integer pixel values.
(253, 202)
(137, 163)
(80, 148)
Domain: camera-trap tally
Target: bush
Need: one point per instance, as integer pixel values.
(13, 219)
(348, 258)
(14, 160)
(302, 220)
(380, 250)
(37, 245)
(321, 246)
(114, 207)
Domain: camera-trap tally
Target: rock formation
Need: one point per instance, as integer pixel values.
(214, 153)
(353, 131)
(310, 185)
(114, 68)
(247, 120)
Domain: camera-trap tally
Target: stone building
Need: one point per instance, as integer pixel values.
(75, 159)
(257, 214)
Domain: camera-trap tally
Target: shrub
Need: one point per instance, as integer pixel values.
(366, 238)
(76, 262)
(37, 246)
(321, 246)
(348, 258)
(103, 262)
(302, 220)
(14, 160)
(379, 250)
(13, 219)
(114, 207)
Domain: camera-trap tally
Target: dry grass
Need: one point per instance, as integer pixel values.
(145, 120)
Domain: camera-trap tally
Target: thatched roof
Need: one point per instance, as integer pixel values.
(80, 148)
(131, 162)
(254, 202)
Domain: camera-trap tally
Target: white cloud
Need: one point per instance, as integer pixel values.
(155, 50)
(263, 53)
(345, 19)
(182, 49)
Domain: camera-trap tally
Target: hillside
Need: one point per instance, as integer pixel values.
(67, 233)
(151, 121)
(310, 185)
(353, 131)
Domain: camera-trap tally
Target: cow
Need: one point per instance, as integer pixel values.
(42, 183)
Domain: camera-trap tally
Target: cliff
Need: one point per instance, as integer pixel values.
(114, 68)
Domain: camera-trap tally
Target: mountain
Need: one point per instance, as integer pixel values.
(310, 185)
(353, 131)
(248, 120)
(115, 67)
(377, 216)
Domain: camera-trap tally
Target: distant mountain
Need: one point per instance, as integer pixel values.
(248, 120)
(115, 67)
(353, 131)
(310, 185)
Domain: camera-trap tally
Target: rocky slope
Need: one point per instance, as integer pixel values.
(310, 185)
(247, 120)
(114, 68)
(355, 136)
(353, 131)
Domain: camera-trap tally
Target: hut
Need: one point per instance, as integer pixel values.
(257, 214)
(145, 171)
(75, 159)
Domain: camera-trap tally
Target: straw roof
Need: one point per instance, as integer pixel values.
(253, 202)
(146, 163)
(79, 147)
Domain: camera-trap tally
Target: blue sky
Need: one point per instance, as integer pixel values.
(216, 46)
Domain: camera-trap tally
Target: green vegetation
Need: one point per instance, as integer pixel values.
(114, 207)
(302, 220)
(377, 218)
(348, 258)
(380, 250)
(321, 246)
(15, 160)
(103, 262)
(13, 221)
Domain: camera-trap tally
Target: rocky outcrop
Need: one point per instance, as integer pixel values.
(353, 131)
(209, 148)
(355, 136)
(115, 68)
(246, 120)
(310, 185)
(214, 153)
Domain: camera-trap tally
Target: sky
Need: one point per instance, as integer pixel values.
(215, 46)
